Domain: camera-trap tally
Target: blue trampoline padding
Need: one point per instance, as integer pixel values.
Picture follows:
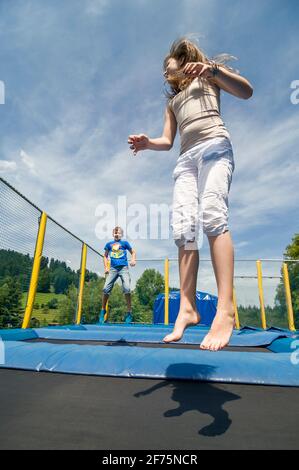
(18, 334)
(194, 335)
(283, 345)
(275, 328)
(156, 363)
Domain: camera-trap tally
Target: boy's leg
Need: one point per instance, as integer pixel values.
(109, 283)
(129, 316)
(129, 302)
(124, 274)
(103, 310)
(104, 301)
(110, 280)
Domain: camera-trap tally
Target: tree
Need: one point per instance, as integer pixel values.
(44, 281)
(92, 300)
(61, 281)
(55, 276)
(90, 276)
(148, 286)
(15, 265)
(142, 313)
(68, 306)
(291, 252)
(10, 302)
(53, 303)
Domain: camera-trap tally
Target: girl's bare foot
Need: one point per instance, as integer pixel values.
(221, 330)
(186, 317)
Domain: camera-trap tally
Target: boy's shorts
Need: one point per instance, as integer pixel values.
(202, 177)
(114, 273)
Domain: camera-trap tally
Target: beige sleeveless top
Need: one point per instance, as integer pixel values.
(197, 111)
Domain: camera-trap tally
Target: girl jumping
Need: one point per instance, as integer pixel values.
(202, 179)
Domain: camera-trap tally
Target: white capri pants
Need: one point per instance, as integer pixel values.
(202, 177)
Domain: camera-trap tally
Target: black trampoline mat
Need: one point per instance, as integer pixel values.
(261, 349)
(64, 411)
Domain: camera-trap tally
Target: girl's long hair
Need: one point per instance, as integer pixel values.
(184, 51)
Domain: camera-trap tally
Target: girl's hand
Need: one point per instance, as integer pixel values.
(198, 69)
(138, 142)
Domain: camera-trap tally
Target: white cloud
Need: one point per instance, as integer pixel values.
(96, 7)
(241, 244)
(7, 166)
(28, 162)
(80, 149)
(2, 92)
(265, 182)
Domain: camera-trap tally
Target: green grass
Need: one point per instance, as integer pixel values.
(44, 298)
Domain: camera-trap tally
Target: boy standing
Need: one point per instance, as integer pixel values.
(117, 249)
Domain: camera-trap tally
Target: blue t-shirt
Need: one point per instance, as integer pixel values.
(117, 252)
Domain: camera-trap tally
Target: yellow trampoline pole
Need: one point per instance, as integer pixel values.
(166, 301)
(81, 285)
(261, 293)
(237, 320)
(288, 295)
(35, 269)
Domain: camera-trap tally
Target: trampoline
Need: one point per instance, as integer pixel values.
(138, 351)
(120, 387)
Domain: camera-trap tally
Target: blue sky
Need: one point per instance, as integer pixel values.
(81, 75)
